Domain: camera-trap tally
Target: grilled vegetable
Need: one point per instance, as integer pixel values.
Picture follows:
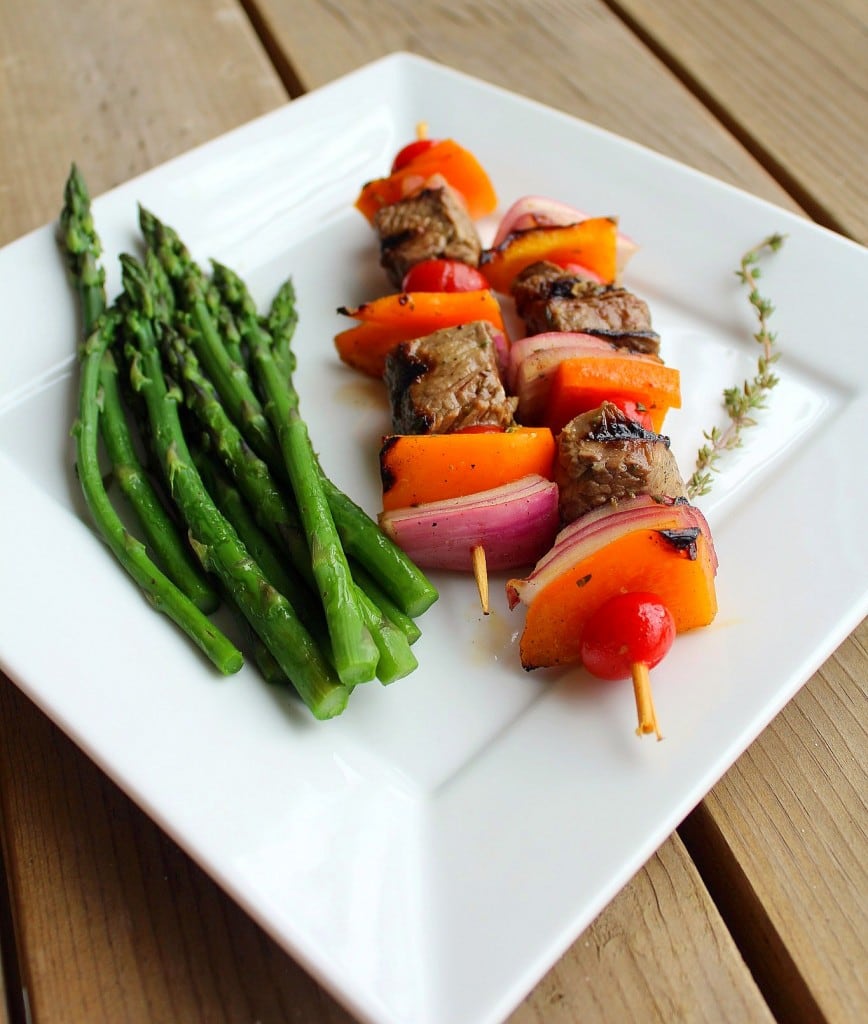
(514, 524)
(591, 243)
(401, 317)
(420, 468)
(444, 161)
(643, 544)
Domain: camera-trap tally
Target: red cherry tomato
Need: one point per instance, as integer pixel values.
(480, 428)
(634, 410)
(627, 629)
(410, 152)
(443, 276)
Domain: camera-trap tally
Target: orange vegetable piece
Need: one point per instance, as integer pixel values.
(641, 560)
(583, 383)
(418, 468)
(592, 243)
(407, 315)
(456, 164)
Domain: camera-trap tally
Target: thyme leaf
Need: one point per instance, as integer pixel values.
(742, 402)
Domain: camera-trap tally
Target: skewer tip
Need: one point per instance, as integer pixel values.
(480, 573)
(644, 701)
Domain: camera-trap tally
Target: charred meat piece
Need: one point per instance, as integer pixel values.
(549, 298)
(446, 381)
(433, 224)
(604, 456)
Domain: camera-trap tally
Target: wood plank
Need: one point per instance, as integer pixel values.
(126, 927)
(100, 865)
(690, 969)
(9, 985)
(570, 55)
(639, 107)
(115, 922)
(793, 77)
(82, 84)
(791, 873)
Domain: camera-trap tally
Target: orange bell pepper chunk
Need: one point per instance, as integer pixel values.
(419, 468)
(638, 561)
(394, 318)
(591, 243)
(581, 384)
(457, 165)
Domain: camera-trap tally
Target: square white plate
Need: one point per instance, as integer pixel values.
(432, 852)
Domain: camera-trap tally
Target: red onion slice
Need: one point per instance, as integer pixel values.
(576, 342)
(515, 524)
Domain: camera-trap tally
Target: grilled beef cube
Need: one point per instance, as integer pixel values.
(433, 224)
(548, 298)
(446, 381)
(604, 456)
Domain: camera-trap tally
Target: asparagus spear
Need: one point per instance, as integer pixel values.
(355, 651)
(213, 538)
(129, 551)
(231, 504)
(395, 658)
(82, 248)
(272, 512)
(229, 376)
(407, 586)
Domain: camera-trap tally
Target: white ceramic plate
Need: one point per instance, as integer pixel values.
(429, 854)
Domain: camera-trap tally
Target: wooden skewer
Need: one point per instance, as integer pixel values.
(644, 701)
(480, 573)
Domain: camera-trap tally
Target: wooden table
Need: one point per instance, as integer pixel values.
(756, 908)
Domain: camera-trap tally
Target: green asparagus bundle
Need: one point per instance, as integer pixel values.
(83, 249)
(328, 600)
(213, 538)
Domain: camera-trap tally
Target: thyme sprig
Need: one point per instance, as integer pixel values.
(742, 402)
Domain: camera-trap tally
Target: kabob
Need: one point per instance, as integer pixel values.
(543, 451)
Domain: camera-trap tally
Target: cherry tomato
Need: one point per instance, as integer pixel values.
(410, 152)
(443, 276)
(635, 410)
(481, 428)
(628, 629)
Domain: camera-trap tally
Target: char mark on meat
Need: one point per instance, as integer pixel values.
(548, 298)
(605, 457)
(433, 224)
(446, 381)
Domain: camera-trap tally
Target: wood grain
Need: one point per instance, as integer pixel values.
(651, 106)
(123, 926)
(116, 923)
(118, 88)
(570, 55)
(791, 873)
(689, 971)
(792, 80)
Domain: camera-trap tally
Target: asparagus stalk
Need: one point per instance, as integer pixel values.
(229, 376)
(355, 651)
(82, 249)
(231, 504)
(386, 605)
(215, 541)
(274, 515)
(130, 552)
(407, 586)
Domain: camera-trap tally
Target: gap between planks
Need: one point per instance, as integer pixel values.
(816, 210)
